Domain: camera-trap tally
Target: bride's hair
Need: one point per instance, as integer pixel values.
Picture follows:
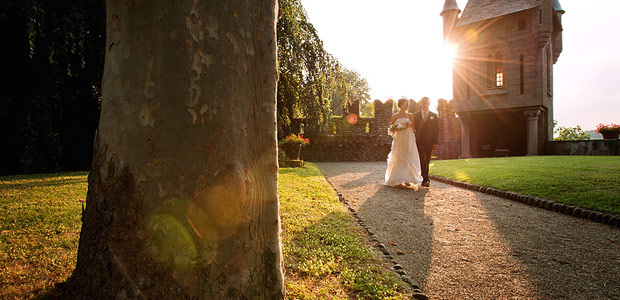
(402, 102)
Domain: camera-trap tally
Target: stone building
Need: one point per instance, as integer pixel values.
(503, 73)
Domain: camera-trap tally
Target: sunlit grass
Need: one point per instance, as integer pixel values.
(39, 231)
(325, 255)
(588, 181)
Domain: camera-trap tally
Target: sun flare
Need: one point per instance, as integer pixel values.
(448, 52)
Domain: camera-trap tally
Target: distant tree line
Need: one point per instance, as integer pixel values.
(50, 103)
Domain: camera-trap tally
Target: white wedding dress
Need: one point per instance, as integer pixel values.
(403, 164)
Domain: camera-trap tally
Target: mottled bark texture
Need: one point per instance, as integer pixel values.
(182, 200)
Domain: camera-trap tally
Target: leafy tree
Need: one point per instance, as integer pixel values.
(308, 76)
(357, 86)
(368, 109)
(49, 108)
(350, 87)
(570, 133)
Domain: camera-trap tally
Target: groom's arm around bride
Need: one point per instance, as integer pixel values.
(427, 136)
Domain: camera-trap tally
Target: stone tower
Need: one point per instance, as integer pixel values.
(503, 74)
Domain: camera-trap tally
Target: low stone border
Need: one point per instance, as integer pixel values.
(583, 213)
(397, 268)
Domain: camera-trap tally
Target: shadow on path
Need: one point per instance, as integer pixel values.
(460, 244)
(397, 217)
(391, 213)
(566, 257)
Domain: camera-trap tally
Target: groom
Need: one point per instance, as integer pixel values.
(427, 128)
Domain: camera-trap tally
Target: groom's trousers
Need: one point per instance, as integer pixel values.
(425, 152)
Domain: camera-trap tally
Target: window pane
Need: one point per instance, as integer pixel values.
(499, 79)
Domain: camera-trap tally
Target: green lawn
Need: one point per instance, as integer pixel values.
(324, 252)
(39, 231)
(587, 181)
(325, 256)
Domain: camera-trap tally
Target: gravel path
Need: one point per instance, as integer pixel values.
(460, 244)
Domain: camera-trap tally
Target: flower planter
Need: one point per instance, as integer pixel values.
(292, 150)
(610, 135)
(609, 132)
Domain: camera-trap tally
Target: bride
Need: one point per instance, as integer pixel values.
(403, 161)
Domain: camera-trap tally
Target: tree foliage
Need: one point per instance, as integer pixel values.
(351, 87)
(304, 67)
(368, 109)
(312, 83)
(570, 133)
(49, 110)
(50, 107)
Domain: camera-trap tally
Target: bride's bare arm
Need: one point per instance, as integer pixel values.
(412, 123)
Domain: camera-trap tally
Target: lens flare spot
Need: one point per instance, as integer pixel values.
(220, 208)
(200, 221)
(352, 119)
(462, 176)
(471, 35)
(170, 242)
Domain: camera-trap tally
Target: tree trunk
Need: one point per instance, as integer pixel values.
(182, 200)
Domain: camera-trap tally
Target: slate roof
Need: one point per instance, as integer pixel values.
(557, 6)
(449, 5)
(479, 10)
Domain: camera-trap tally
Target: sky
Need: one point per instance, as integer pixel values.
(397, 46)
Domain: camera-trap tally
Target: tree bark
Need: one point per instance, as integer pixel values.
(182, 200)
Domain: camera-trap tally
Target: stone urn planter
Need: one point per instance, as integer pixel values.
(610, 135)
(292, 150)
(608, 131)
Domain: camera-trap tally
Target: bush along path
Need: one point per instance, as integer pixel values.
(571, 210)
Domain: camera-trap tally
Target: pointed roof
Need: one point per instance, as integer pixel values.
(479, 10)
(450, 5)
(557, 6)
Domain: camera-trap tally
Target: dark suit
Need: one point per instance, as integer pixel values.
(426, 135)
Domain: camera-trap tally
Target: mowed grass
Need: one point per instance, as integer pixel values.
(325, 255)
(587, 181)
(39, 231)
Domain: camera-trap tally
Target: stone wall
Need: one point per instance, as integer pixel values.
(351, 138)
(347, 148)
(592, 147)
(449, 132)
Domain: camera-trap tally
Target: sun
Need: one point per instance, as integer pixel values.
(439, 65)
(449, 52)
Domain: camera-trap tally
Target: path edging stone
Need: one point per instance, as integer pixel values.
(579, 212)
(397, 268)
